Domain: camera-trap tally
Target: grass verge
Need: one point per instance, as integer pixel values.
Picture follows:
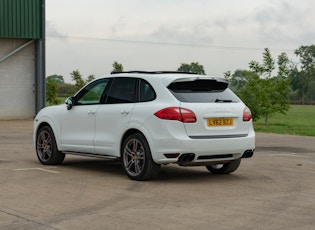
(299, 120)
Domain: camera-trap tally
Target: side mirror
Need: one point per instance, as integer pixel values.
(69, 102)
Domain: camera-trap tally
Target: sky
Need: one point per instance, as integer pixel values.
(225, 35)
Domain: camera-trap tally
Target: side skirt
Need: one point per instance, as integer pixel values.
(93, 155)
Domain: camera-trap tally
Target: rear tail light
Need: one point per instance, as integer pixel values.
(177, 113)
(247, 115)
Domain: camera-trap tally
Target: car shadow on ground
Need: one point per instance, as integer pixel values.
(95, 165)
(171, 172)
(189, 174)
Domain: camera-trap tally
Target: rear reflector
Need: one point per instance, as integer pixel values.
(177, 113)
(171, 155)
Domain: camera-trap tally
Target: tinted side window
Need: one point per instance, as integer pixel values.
(122, 90)
(92, 93)
(147, 93)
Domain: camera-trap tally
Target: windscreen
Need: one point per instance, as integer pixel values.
(203, 91)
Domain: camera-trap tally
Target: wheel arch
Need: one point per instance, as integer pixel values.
(142, 130)
(53, 128)
(149, 169)
(41, 125)
(131, 131)
(127, 134)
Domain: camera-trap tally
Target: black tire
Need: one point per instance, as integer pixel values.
(137, 160)
(224, 168)
(46, 147)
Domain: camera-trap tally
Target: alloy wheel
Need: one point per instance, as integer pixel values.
(134, 157)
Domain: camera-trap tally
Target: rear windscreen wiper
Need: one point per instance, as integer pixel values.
(222, 101)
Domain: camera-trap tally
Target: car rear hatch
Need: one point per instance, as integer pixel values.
(219, 112)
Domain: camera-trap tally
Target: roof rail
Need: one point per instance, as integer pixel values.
(151, 72)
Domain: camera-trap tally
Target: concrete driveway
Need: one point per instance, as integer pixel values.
(273, 190)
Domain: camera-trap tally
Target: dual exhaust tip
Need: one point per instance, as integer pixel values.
(187, 158)
(248, 153)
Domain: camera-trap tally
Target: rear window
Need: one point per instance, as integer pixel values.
(203, 91)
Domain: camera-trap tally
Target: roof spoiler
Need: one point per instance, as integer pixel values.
(152, 72)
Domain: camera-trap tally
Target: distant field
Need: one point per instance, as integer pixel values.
(299, 120)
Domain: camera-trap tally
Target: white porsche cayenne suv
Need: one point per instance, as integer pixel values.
(149, 119)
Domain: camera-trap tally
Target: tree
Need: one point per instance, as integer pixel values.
(263, 70)
(66, 90)
(282, 83)
(117, 67)
(78, 79)
(57, 78)
(238, 79)
(284, 65)
(90, 78)
(193, 67)
(263, 93)
(251, 94)
(301, 79)
(51, 91)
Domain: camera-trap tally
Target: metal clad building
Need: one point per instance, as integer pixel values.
(22, 58)
(20, 18)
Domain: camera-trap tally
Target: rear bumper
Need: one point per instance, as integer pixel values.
(205, 151)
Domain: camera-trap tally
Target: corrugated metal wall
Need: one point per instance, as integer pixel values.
(20, 18)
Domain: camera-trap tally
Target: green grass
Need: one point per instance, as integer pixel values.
(299, 120)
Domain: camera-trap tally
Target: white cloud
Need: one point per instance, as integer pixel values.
(229, 30)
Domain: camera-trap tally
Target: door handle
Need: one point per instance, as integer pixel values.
(124, 112)
(91, 112)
